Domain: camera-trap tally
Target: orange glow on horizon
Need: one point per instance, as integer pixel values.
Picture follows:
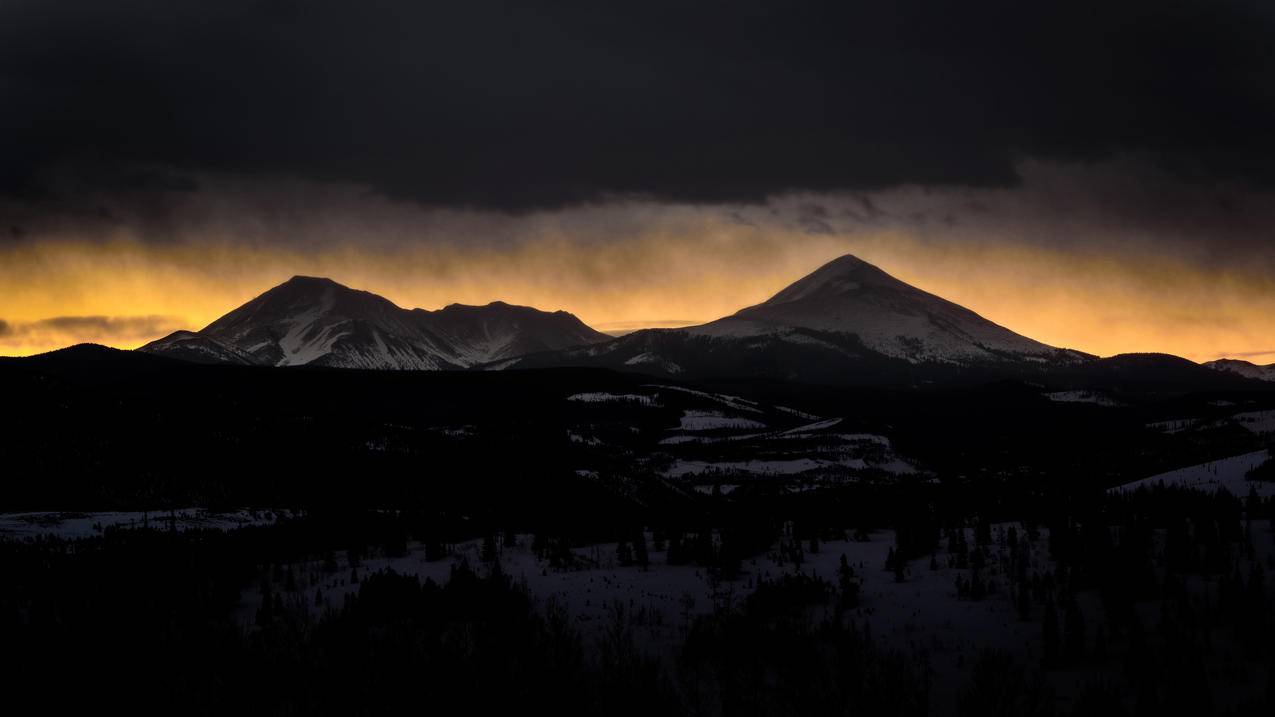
(1102, 305)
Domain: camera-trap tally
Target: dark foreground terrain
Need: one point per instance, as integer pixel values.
(222, 539)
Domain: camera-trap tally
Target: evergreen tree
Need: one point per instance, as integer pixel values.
(1051, 641)
(1023, 600)
(640, 553)
(1074, 633)
(848, 583)
(265, 613)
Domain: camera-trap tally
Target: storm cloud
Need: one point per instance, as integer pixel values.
(512, 106)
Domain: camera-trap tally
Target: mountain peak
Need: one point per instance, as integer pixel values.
(850, 297)
(301, 283)
(315, 320)
(842, 275)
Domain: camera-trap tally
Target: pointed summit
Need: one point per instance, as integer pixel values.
(841, 275)
(850, 297)
(847, 322)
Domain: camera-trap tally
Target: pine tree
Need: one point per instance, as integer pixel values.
(265, 614)
(1074, 633)
(848, 583)
(1050, 638)
(489, 553)
(640, 553)
(1024, 600)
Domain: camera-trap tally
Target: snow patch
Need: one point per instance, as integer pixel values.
(599, 397)
(714, 420)
(1229, 473)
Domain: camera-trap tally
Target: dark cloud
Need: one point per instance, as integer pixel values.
(511, 105)
(64, 330)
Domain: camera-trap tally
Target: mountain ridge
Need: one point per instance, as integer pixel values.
(847, 321)
(1247, 369)
(319, 322)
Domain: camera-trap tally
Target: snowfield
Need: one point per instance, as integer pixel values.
(1092, 397)
(1259, 422)
(632, 398)
(72, 525)
(1229, 473)
(715, 420)
(735, 402)
(922, 616)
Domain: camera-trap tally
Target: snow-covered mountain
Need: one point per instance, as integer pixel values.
(318, 322)
(850, 296)
(846, 318)
(1247, 369)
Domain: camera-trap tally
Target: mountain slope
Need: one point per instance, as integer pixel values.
(318, 322)
(889, 317)
(846, 322)
(198, 348)
(1247, 369)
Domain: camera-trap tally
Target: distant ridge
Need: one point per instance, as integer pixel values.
(1248, 369)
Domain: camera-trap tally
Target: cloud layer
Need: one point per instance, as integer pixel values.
(515, 105)
(1076, 256)
(1093, 174)
(23, 336)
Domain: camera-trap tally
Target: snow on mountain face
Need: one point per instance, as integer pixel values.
(1246, 369)
(889, 317)
(499, 331)
(313, 321)
(848, 322)
(197, 348)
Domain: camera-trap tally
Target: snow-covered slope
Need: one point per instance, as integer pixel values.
(198, 348)
(314, 321)
(846, 321)
(1246, 369)
(1229, 473)
(852, 297)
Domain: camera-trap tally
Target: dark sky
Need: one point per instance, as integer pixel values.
(520, 105)
(1093, 174)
